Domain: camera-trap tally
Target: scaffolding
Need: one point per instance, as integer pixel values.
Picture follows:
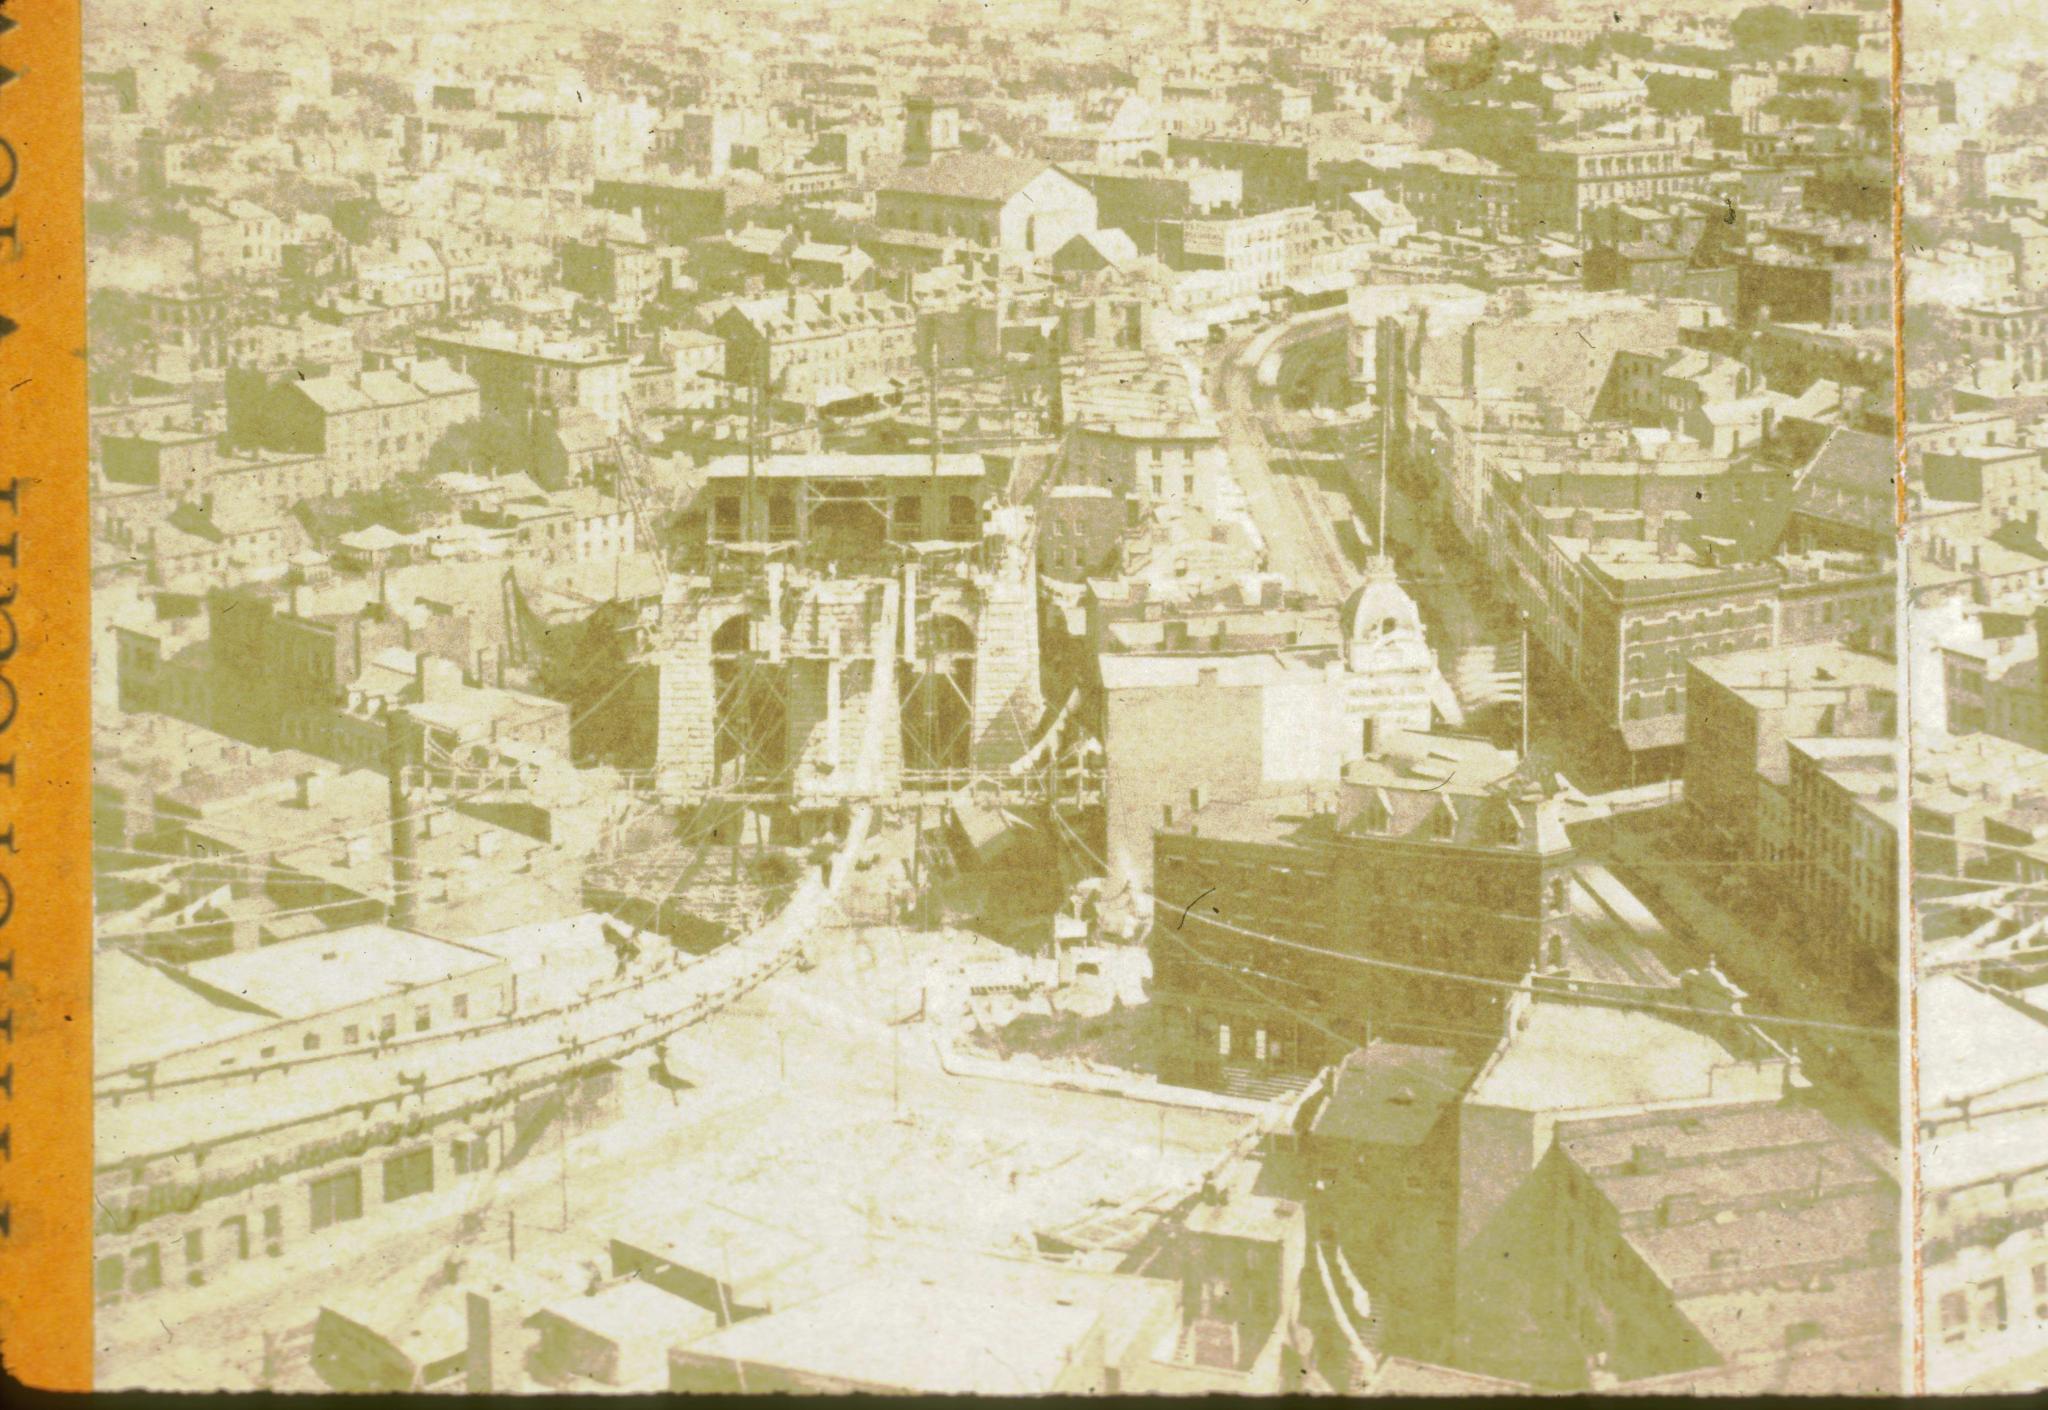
(750, 709)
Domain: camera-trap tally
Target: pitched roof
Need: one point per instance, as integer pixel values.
(969, 176)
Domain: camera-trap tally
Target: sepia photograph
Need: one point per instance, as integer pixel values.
(1050, 697)
(1974, 434)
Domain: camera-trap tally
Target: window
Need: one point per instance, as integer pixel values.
(909, 516)
(461, 1006)
(311, 1043)
(351, 1034)
(109, 1277)
(387, 1027)
(236, 1227)
(725, 517)
(1223, 1040)
(963, 516)
(195, 1247)
(145, 1269)
(2041, 1291)
(337, 1199)
(471, 1153)
(409, 1174)
(1987, 1299)
(273, 1225)
(422, 1018)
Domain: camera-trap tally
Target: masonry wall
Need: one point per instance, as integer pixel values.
(1008, 700)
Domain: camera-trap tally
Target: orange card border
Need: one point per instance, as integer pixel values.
(46, 1334)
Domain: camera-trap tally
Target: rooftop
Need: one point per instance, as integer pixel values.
(860, 1337)
(339, 969)
(1562, 1056)
(838, 466)
(1392, 1094)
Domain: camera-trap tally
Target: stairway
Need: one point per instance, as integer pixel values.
(1263, 1084)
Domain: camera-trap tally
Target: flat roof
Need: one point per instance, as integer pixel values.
(830, 466)
(899, 1331)
(1578, 1057)
(322, 973)
(141, 1013)
(633, 1310)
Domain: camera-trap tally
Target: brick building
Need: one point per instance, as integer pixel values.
(1463, 864)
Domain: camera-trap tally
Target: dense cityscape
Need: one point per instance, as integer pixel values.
(1064, 698)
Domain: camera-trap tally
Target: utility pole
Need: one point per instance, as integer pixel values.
(931, 391)
(1388, 353)
(755, 386)
(917, 864)
(1525, 685)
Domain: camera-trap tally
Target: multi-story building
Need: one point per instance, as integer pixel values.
(520, 371)
(1844, 826)
(1645, 614)
(1563, 181)
(1137, 199)
(2014, 332)
(816, 349)
(367, 425)
(1676, 1225)
(232, 240)
(1744, 712)
(1266, 249)
(1463, 864)
(1276, 171)
(1603, 1236)
(1983, 1121)
(1017, 208)
(1815, 276)
(1149, 461)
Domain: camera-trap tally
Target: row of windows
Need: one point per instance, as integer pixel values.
(386, 1029)
(1981, 1309)
(141, 1269)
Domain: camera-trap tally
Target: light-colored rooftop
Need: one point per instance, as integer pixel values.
(1587, 1057)
(322, 973)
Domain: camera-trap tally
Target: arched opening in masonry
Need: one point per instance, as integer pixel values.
(847, 529)
(938, 697)
(750, 710)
